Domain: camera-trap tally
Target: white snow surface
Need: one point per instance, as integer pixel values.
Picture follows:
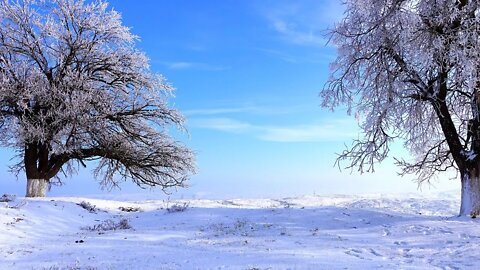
(310, 232)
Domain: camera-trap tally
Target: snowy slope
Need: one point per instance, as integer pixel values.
(312, 232)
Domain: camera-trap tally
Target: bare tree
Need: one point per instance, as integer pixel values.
(73, 88)
(410, 70)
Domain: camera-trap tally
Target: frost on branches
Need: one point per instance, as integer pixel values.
(73, 89)
(410, 69)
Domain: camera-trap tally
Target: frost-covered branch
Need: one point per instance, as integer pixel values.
(74, 88)
(409, 71)
(436, 159)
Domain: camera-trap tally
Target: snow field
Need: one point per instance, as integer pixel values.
(311, 232)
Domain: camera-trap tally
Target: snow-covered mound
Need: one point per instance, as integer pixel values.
(312, 232)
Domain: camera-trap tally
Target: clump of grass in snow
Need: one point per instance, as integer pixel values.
(109, 225)
(129, 209)
(178, 207)
(88, 206)
(7, 198)
(77, 266)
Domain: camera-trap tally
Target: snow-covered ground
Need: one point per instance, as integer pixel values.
(311, 232)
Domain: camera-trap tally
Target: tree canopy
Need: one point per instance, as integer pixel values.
(409, 70)
(74, 88)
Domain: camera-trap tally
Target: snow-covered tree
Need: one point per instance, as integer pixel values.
(410, 70)
(73, 88)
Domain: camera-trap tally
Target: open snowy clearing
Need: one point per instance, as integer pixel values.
(311, 232)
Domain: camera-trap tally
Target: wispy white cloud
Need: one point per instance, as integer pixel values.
(218, 111)
(303, 22)
(294, 33)
(221, 124)
(337, 130)
(247, 109)
(315, 58)
(180, 65)
(309, 133)
(194, 65)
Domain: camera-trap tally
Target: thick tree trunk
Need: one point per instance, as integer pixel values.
(470, 204)
(37, 188)
(36, 160)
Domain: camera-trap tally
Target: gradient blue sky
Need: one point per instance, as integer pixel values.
(247, 75)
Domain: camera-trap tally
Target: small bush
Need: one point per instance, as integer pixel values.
(129, 209)
(178, 208)
(109, 225)
(7, 198)
(88, 206)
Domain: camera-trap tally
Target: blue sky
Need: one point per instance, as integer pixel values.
(247, 75)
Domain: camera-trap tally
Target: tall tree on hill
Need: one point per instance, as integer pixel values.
(410, 69)
(73, 89)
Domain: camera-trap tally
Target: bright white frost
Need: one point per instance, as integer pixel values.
(410, 70)
(73, 87)
(398, 60)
